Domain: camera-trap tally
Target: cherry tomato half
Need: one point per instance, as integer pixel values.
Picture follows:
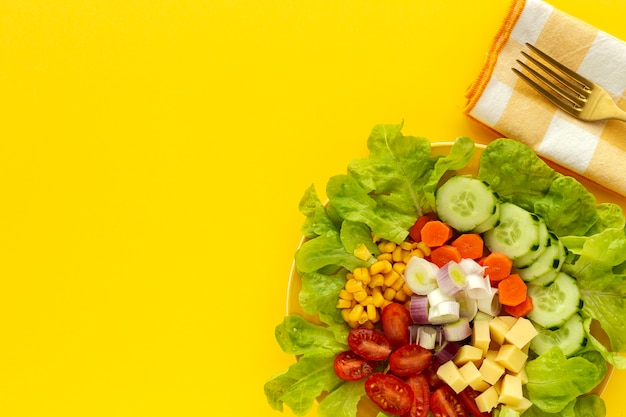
(351, 367)
(410, 360)
(389, 393)
(468, 398)
(445, 403)
(421, 396)
(369, 344)
(396, 320)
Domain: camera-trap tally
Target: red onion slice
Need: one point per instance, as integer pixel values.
(451, 278)
(419, 309)
(447, 352)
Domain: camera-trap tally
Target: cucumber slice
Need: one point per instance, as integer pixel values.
(465, 203)
(570, 337)
(546, 279)
(490, 223)
(551, 258)
(517, 233)
(544, 242)
(555, 304)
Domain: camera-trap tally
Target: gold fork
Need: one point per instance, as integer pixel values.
(568, 90)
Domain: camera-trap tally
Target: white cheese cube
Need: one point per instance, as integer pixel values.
(450, 374)
(511, 391)
(509, 320)
(473, 377)
(511, 357)
(521, 333)
(524, 405)
(487, 401)
(491, 371)
(468, 353)
(498, 329)
(521, 375)
(481, 337)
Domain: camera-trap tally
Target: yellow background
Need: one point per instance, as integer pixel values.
(152, 157)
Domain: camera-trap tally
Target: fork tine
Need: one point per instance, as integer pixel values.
(573, 98)
(585, 83)
(581, 92)
(558, 101)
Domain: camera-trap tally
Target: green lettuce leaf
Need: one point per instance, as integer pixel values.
(302, 384)
(313, 374)
(567, 208)
(296, 336)
(396, 169)
(460, 154)
(603, 291)
(555, 380)
(317, 221)
(319, 294)
(610, 216)
(343, 401)
(355, 204)
(326, 250)
(353, 234)
(515, 172)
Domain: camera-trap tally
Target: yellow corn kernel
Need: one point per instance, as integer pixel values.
(380, 267)
(386, 246)
(391, 277)
(341, 303)
(354, 324)
(389, 294)
(376, 239)
(349, 276)
(406, 245)
(362, 274)
(372, 313)
(416, 252)
(363, 318)
(399, 267)
(407, 290)
(378, 280)
(355, 313)
(408, 304)
(398, 284)
(362, 252)
(345, 313)
(385, 257)
(369, 300)
(400, 296)
(377, 297)
(345, 295)
(360, 295)
(397, 254)
(423, 248)
(353, 285)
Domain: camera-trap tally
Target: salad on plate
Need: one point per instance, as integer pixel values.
(481, 282)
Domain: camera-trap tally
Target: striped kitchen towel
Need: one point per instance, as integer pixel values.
(509, 107)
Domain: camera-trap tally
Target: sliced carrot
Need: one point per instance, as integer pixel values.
(512, 290)
(416, 230)
(498, 266)
(470, 245)
(443, 254)
(436, 233)
(522, 309)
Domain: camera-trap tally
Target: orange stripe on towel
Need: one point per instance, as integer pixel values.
(477, 88)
